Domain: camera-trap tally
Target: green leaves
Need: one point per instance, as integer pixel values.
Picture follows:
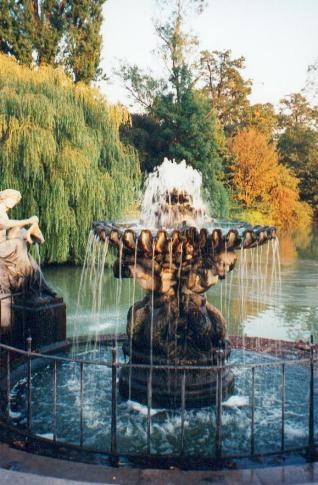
(55, 32)
(59, 145)
(224, 87)
(298, 143)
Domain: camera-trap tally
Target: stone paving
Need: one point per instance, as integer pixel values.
(21, 468)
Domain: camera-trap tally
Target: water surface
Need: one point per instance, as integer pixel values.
(256, 298)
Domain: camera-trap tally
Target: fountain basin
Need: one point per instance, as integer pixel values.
(84, 407)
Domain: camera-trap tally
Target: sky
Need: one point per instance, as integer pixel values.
(278, 38)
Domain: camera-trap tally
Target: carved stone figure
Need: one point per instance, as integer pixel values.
(18, 270)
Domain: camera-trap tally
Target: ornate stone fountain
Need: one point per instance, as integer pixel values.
(176, 260)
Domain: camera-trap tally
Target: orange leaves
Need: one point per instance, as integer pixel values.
(261, 183)
(254, 168)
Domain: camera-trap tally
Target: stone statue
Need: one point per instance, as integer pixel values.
(18, 270)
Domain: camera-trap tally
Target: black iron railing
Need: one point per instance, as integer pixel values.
(13, 357)
(15, 360)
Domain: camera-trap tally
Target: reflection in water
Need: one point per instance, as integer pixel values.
(251, 298)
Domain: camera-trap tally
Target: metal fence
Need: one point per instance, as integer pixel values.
(23, 362)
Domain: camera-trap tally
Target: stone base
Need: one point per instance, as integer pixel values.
(200, 387)
(42, 317)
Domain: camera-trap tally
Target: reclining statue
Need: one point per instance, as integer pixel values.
(18, 270)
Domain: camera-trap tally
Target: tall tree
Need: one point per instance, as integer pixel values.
(295, 109)
(181, 119)
(262, 118)
(189, 131)
(254, 168)
(311, 85)
(31, 30)
(60, 146)
(298, 143)
(54, 32)
(83, 39)
(260, 183)
(225, 87)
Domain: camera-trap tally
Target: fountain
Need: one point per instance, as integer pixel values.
(176, 253)
(176, 344)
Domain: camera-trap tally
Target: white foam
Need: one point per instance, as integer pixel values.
(136, 406)
(48, 436)
(294, 431)
(168, 177)
(236, 402)
(14, 415)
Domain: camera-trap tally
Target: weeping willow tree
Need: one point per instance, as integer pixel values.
(59, 145)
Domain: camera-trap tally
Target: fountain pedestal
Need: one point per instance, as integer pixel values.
(174, 334)
(200, 385)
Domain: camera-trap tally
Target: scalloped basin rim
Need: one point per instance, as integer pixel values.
(240, 228)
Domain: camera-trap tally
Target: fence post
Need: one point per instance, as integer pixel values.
(253, 414)
(8, 385)
(218, 424)
(81, 403)
(183, 385)
(11, 311)
(23, 311)
(0, 320)
(149, 407)
(311, 437)
(29, 350)
(282, 446)
(113, 446)
(54, 400)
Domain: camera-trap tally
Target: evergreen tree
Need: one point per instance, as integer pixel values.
(54, 32)
(177, 117)
(188, 131)
(30, 30)
(144, 132)
(17, 29)
(83, 39)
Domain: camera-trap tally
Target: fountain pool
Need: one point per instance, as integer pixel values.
(251, 417)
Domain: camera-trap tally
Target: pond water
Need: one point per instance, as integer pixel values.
(253, 300)
(199, 424)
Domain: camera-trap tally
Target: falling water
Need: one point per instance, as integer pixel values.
(91, 285)
(259, 280)
(132, 316)
(88, 253)
(182, 184)
(149, 390)
(119, 285)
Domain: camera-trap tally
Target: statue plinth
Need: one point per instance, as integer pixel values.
(41, 317)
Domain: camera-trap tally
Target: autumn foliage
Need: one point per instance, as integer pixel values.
(262, 185)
